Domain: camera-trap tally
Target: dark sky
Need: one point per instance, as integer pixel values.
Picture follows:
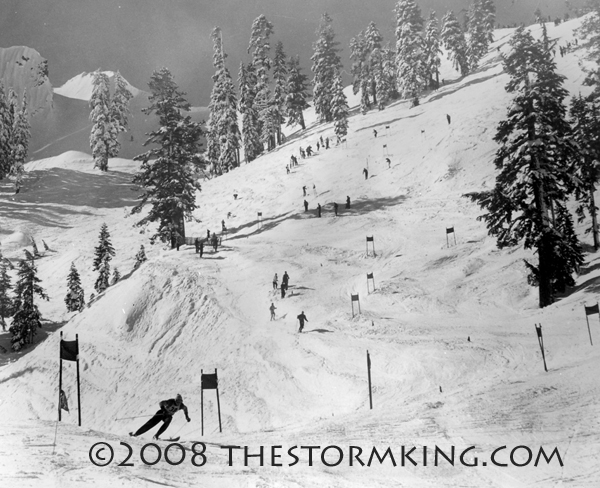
(138, 36)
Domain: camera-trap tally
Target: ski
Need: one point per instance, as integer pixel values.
(172, 439)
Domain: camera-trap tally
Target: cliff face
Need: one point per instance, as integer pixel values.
(22, 68)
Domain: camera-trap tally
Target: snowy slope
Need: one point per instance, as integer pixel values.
(450, 330)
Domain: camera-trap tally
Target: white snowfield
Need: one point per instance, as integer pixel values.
(81, 86)
(450, 330)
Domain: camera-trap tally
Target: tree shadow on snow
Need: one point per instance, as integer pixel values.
(320, 331)
(62, 186)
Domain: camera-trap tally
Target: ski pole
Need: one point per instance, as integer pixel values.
(138, 417)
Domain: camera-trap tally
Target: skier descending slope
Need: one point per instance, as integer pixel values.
(168, 408)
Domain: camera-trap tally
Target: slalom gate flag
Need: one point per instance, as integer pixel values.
(592, 310)
(209, 381)
(64, 404)
(69, 350)
(449, 230)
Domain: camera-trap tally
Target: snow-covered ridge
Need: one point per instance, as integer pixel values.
(81, 86)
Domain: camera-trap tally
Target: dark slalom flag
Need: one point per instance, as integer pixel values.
(69, 350)
(209, 382)
(64, 404)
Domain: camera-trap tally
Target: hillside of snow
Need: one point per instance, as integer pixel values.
(81, 86)
(449, 326)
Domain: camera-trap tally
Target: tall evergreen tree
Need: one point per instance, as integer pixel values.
(295, 101)
(250, 126)
(478, 39)
(75, 299)
(378, 89)
(109, 117)
(585, 116)
(6, 301)
(103, 132)
(21, 134)
(119, 111)
(7, 117)
(263, 101)
(432, 60)
(167, 172)
(104, 252)
(325, 64)
(360, 70)
(489, 17)
(223, 136)
(339, 108)
(535, 164)
(280, 74)
(410, 50)
(27, 318)
(453, 39)
(36, 251)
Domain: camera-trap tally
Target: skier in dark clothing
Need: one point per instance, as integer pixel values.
(319, 209)
(285, 279)
(168, 408)
(327, 143)
(287, 168)
(374, 133)
(309, 151)
(223, 228)
(275, 279)
(321, 139)
(197, 244)
(201, 248)
(318, 146)
(305, 206)
(335, 208)
(389, 162)
(302, 318)
(282, 290)
(366, 173)
(347, 202)
(449, 119)
(304, 190)
(207, 234)
(272, 308)
(214, 241)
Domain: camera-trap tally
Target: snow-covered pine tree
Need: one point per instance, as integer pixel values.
(119, 112)
(75, 299)
(489, 18)
(250, 127)
(389, 78)
(140, 258)
(7, 117)
(325, 64)
(339, 107)
(295, 102)
(585, 123)
(410, 50)
(374, 41)
(21, 134)
(360, 70)
(280, 74)
(478, 36)
(115, 277)
(103, 132)
(223, 136)
(6, 301)
(453, 39)
(263, 101)
(167, 173)
(432, 51)
(27, 317)
(104, 252)
(36, 252)
(567, 253)
(535, 163)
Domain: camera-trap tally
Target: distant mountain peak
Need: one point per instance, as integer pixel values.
(80, 87)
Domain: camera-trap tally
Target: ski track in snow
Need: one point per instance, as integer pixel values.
(147, 338)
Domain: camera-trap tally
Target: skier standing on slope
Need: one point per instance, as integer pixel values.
(302, 318)
(272, 308)
(275, 279)
(168, 408)
(285, 279)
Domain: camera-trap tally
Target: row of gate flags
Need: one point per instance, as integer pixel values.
(69, 351)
